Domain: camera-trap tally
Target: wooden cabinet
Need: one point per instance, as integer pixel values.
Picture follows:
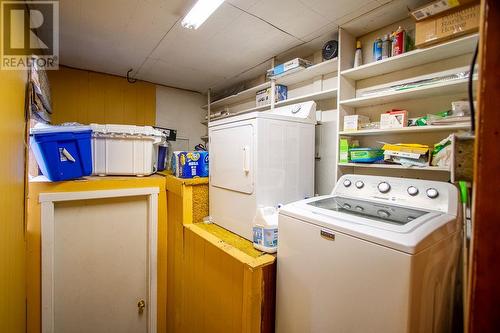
(96, 255)
(217, 281)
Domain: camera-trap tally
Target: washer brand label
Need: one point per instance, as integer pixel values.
(327, 235)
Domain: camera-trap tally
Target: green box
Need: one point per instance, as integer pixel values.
(344, 151)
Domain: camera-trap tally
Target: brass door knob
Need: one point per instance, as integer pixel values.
(141, 305)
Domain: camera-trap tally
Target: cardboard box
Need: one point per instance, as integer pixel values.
(263, 97)
(437, 7)
(355, 122)
(457, 22)
(344, 151)
(287, 67)
(394, 119)
(190, 164)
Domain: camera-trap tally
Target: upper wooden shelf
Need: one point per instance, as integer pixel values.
(438, 89)
(325, 67)
(306, 74)
(414, 58)
(315, 96)
(239, 97)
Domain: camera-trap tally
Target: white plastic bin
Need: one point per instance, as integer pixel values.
(125, 149)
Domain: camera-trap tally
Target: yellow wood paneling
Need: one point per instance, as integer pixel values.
(33, 240)
(215, 283)
(12, 250)
(12, 135)
(90, 97)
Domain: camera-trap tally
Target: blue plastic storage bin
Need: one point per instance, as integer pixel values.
(63, 152)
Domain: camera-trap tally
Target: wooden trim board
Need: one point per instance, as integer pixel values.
(484, 305)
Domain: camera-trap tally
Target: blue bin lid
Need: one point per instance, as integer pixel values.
(50, 129)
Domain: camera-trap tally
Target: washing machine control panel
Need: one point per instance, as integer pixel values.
(305, 110)
(416, 193)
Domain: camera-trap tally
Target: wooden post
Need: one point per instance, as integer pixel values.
(273, 85)
(209, 99)
(484, 304)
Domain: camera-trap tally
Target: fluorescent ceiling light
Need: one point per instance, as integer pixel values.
(200, 12)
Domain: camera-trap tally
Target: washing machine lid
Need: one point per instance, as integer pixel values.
(401, 228)
(388, 214)
(301, 113)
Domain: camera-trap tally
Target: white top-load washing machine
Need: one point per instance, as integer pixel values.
(260, 158)
(378, 255)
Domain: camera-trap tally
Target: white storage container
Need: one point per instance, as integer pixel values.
(125, 149)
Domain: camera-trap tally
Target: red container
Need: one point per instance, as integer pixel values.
(398, 41)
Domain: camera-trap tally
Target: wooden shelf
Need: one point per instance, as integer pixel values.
(325, 67)
(308, 73)
(239, 97)
(414, 58)
(316, 96)
(438, 89)
(404, 130)
(393, 166)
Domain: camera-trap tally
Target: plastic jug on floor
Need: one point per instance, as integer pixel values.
(265, 229)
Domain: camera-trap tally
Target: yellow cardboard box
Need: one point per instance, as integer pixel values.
(454, 23)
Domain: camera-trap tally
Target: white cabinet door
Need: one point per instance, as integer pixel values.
(100, 266)
(232, 157)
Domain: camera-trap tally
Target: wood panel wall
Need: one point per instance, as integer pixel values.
(90, 97)
(12, 134)
(12, 151)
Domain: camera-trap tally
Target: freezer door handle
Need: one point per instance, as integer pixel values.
(327, 235)
(246, 159)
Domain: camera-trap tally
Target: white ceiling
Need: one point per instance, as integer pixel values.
(235, 43)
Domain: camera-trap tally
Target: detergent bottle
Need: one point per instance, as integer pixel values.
(265, 229)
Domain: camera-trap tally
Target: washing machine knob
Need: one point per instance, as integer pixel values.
(359, 208)
(412, 190)
(432, 193)
(347, 206)
(347, 183)
(384, 187)
(383, 213)
(359, 184)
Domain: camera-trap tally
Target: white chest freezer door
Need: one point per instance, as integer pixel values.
(232, 156)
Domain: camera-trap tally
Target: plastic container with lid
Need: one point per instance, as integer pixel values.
(125, 149)
(62, 152)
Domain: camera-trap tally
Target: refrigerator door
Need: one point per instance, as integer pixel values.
(232, 157)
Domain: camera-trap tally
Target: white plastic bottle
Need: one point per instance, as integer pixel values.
(265, 229)
(358, 56)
